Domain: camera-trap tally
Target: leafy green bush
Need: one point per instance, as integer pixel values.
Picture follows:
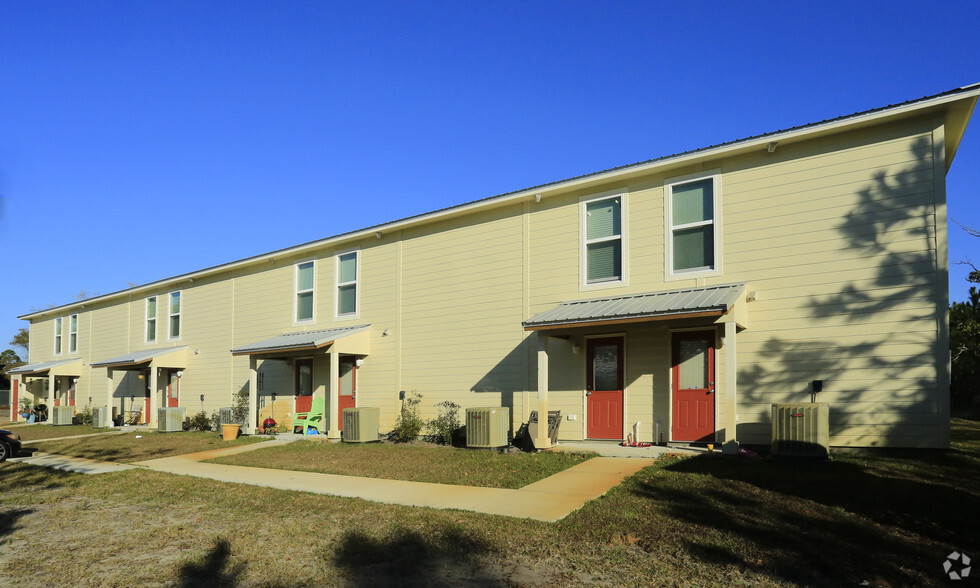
(215, 421)
(200, 422)
(409, 423)
(445, 426)
(84, 416)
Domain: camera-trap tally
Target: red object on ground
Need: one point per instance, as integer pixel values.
(268, 424)
(630, 443)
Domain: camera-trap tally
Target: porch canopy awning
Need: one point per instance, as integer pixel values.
(304, 341)
(61, 367)
(170, 357)
(712, 301)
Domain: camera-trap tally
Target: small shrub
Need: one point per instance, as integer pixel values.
(84, 416)
(200, 422)
(409, 423)
(445, 426)
(239, 407)
(214, 421)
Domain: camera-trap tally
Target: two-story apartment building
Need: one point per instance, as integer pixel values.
(676, 298)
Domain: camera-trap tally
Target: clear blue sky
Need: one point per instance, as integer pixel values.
(140, 140)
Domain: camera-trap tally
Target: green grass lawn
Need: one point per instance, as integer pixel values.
(441, 465)
(138, 445)
(36, 432)
(705, 521)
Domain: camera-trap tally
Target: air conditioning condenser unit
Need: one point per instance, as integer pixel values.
(487, 427)
(61, 415)
(361, 425)
(170, 419)
(801, 430)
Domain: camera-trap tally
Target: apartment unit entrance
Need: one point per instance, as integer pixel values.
(693, 386)
(604, 388)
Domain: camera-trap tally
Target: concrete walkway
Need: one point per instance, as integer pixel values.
(550, 499)
(72, 464)
(615, 449)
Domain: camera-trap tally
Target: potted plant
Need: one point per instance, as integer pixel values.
(239, 414)
(25, 408)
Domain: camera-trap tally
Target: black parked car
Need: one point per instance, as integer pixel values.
(9, 444)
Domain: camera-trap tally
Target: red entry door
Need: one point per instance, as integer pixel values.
(348, 388)
(604, 388)
(57, 392)
(304, 385)
(173, 390)
(693, 387)
(71, 391)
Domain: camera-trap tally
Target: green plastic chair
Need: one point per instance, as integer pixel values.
(308, 419)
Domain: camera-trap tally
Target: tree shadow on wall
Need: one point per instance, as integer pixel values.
(864, 354)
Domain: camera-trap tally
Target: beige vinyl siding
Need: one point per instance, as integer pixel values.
(461, 303)
(837, 234)
(847, 299)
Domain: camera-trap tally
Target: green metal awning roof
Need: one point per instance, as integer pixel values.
(692, 302)
(302, 341)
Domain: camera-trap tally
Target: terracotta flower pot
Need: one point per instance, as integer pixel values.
(230, 432)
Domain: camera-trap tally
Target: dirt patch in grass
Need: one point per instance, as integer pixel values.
(416, 463)
(140, 445)
(36, 432)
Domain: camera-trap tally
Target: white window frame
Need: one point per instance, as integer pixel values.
(73, 333)
(356, 282)
(147, 319)
(179, 314)
(584, 241)
(297, 292)
(58, 332)
(669, 228)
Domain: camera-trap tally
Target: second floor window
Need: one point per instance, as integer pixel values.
(304, 291)
(347, 284)
(73, 333)
(693, 246)
(174, 315)
(151, 319)
(57, 336)
(603, 243)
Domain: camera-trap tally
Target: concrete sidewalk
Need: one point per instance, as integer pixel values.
(550, 499)
(72, 464)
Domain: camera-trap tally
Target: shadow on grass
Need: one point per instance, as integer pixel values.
(8, 519)
(213, 569)
(811, 523)
(411, 558)
(16, 478)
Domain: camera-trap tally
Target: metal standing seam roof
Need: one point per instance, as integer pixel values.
(299, 341)
(34, 368)
(638, 307)
(137, 357)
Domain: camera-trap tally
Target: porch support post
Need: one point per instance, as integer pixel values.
(152, 417)
(731, 405)
(14, 399)
(108, 398)
(542, 441)
(253, 394)
(52, 382)
(333, 389)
